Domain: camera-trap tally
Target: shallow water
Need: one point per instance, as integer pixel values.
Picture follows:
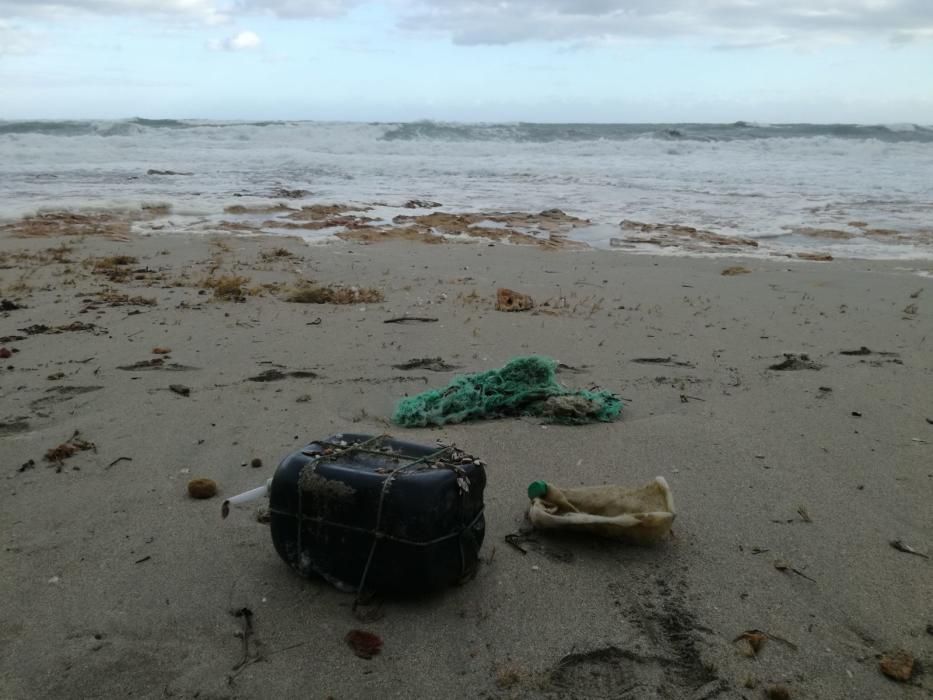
(779, 184)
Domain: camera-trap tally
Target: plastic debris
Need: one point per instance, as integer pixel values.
(246, 497)
(524, 386)
(641, 516)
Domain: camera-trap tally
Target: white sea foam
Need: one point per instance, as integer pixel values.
(753, 180)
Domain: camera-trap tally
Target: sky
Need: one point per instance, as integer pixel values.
(864, 61)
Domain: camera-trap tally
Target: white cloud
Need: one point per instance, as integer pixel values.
(241, 41)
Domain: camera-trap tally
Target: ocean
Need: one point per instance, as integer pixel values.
(848, 190)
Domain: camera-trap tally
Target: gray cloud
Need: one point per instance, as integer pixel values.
(212, 11)
(298, 8)
(15, 39)
(203, 10)
(726, 23)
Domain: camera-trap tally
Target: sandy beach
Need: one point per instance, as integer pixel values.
(790, 485)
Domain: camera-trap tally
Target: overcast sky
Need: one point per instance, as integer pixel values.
(868, 61)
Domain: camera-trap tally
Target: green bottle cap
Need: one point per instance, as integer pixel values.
(537, 489)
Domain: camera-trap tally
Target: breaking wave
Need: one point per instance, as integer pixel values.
(742, 179)
(737, 131)
(518, 132)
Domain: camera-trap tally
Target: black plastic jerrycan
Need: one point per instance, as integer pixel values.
(378, 514)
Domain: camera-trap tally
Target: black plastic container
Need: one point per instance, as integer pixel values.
(378, 514)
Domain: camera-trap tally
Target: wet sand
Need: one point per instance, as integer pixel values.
(116, 584)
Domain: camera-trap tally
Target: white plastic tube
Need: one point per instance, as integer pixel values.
(246, 497)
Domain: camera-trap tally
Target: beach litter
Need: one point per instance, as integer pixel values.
(374, 514)
(245, 497)
(524, 386)
(640, 516)
(5, 353)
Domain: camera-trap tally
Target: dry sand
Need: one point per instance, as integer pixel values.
(115, 584)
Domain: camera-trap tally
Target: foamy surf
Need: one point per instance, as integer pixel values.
(843, 190)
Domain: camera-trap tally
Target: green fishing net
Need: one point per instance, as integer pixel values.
(524, 386)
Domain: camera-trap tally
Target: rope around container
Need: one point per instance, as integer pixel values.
(377, 533)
